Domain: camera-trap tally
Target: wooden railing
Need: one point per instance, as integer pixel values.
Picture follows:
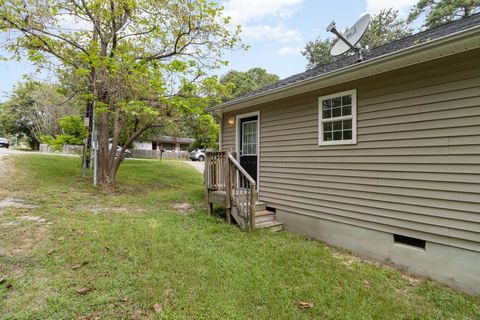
(215, 169)
(224, 173)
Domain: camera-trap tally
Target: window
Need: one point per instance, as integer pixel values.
(249, 138)
(338, 118)
(168, 146)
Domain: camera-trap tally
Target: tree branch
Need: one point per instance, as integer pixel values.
(140, 33)
(175, 50)
(90, 15)
(130, 141)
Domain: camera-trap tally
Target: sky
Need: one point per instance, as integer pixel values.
(275, 30)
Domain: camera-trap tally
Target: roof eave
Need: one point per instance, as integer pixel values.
(454, 43)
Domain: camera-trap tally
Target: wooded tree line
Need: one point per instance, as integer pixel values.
(35, 111)
(142, 68)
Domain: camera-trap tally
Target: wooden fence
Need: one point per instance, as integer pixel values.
(67, 149)
(155, 154)
(139, 154)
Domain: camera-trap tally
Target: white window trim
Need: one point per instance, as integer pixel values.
(353, 93)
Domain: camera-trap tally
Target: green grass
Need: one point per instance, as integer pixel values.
(139, 251)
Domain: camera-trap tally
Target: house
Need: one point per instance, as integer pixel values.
(381, 156)
(167, 143)
(165, 147)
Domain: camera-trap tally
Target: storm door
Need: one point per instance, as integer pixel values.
(248, 151)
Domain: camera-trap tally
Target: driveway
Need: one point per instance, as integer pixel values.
(198, 165)
(2, 160)
(5, 151)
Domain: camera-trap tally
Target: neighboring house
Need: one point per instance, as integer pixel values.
(381, 156)
(167, 143)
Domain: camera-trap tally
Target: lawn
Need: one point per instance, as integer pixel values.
(149, 250)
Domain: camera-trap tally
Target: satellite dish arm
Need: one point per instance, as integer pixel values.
(331, 28)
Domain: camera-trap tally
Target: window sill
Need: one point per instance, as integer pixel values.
(337, 143)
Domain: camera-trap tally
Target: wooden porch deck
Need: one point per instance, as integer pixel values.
(227, 184)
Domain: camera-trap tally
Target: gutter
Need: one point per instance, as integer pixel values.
(446, 46)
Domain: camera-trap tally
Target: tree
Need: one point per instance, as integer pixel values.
(240, 83)
(384, 27)
(34, 110)
(73, 133)
(194, 121)
(134, 59)
(438, 12)
(318, 53)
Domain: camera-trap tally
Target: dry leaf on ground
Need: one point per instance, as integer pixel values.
(157, 307)
(305, 305)
(79, 265)
(83, 290)
(95, 316)
(2, 279)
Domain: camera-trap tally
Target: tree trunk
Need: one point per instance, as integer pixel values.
(108, 159)
(35, 144)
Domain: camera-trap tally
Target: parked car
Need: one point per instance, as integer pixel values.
(127, 153)
(4, 143)
(197, 155)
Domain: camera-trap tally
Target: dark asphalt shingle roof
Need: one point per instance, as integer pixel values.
(170, 139)
(421, 37)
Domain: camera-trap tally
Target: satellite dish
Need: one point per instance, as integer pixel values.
(350, 38)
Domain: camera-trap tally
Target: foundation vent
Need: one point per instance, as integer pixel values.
(271, 209)
(409, 241)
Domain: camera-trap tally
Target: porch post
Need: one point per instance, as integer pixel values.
(228, 186)
(206, 181)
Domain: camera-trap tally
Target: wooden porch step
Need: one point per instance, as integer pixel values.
(263, 216)
(271, 225)
(260, 206)
(266, 219)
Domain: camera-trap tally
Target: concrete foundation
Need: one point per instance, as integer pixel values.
(453, 266)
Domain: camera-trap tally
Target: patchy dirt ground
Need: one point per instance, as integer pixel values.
(106, 209)
(18, 221)
(15, 203)
(183, 207)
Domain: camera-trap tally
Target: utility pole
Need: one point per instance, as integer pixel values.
(94, 135)
(87, 163)
(94, 129)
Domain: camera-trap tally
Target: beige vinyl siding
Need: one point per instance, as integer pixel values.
(415, 169)
(228, 136)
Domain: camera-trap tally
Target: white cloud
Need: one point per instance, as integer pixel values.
(72, 23)
(243, 11)
(403, 6)
(275, 33)
(287, 51)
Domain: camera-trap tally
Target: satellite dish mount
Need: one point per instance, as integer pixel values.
(349, 40)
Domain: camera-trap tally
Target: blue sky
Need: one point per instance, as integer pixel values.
(276, 30)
